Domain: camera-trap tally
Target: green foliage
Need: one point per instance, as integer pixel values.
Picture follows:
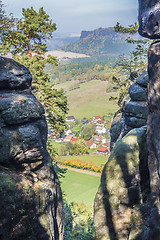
(74, 148)
(19, 203)
(53, 153)
(134, 64)
(137, 61)
(83, 72)
(6, 28)
(88, 131)
(31, 33)
(79, 223)
(80, 165)
(132, 28)
(28, 45)
(121, 84)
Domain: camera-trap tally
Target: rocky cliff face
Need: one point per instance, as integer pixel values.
(118, 210)
(31, 199)
(121, 205)
(122, 209)
(108, 32)
(134, 112)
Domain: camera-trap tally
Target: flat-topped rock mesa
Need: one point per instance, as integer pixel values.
(31, 199)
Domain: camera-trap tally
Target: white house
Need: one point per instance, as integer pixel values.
(101, 129)
(99, 140)
(67, 138)
(68, 132)
(91, 144)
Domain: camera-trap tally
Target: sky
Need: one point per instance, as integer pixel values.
(73, 16)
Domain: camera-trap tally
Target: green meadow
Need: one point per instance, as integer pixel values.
(89, 99)
(80, 187)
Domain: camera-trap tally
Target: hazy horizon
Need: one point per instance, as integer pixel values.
(74, 17)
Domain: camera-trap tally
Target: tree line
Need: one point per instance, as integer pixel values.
(25, 39)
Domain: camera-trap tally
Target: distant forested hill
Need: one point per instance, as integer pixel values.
(102, 41)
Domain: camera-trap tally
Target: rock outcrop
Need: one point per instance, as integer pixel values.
(118, 208)
(31, 199)
(124, 206)
(149, 21)
(134, 112)
(149, 18)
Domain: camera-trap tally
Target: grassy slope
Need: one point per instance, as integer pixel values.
(80, 187)
(89, 100)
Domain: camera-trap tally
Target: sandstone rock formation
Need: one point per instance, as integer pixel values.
(134, 112)
(118, 208)
(149, 18)
(124, 206)
(31, 199)
(149, 21)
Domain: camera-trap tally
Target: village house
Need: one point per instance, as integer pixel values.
(53, 135)
(96, 119)
(74, 139)
(102, 150)
(106, 144)
(68, 138)
(59, 140)
(70, 119)
(91, 144)
(85, 121)
(99, 140)
(101, 129)
(68, 132)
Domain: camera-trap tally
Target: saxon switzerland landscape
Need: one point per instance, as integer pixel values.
(73, 129)
(92, 96)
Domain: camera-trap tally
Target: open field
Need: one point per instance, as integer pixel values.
(80, 187)
(89, 100)
(57, 146)
(97, 160)
(62, 54)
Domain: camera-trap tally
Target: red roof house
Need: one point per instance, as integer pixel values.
(96, 119)
(91, 144)
(102, 149)
(107, 144)
(74, 139)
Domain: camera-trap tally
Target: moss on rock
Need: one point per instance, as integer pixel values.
(124, 184)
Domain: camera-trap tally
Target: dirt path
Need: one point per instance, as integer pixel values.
(81, 171)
